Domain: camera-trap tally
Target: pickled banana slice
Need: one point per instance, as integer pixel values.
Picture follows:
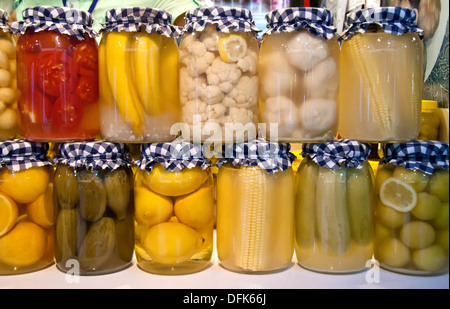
(92, 195)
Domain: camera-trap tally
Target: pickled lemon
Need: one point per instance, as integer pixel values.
(417, 234)
(382, 175)
(24, 245)
(392, 252)
(390, 217)
(428, 206)
(439, 185)
(382, 232)
(172, 243)
(196, 209)
(398, 195)
(416, 179)
(8, 214)
(232, 47)
(175, 183)
(441, 220)
(430, 259)
(442, 238)
(151, 208)
(41, 211)
(25, 186)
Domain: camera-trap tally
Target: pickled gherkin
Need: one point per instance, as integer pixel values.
(118, 187)
(92, 195)
(66, 234)
(66, 187)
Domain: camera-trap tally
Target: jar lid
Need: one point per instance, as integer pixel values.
(225, 19)
(174, 156)
(64, 20)
(19, 155)
(394, 20)
(428, 104)
(425, 156)
(271, 157)
(338, 154)
(93, 155)
(134, 19)
(4, 20)
(317, 21)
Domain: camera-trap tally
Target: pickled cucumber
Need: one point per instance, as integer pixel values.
(117, 185)
(66, 234)
(92, 200)
(125, 238)
(66, 187)
(98, 245)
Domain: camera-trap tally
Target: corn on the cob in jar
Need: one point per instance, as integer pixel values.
(255, 207)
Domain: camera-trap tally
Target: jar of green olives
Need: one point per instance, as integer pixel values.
(93, 190)
(412, 211)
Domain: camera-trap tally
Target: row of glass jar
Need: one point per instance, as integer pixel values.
(138, 86)
(92, 210)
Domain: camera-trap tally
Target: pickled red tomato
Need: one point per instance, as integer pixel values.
(86, 56)
(67, 114)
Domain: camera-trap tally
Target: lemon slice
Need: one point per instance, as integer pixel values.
(8, 214)
(232, 48)
(398, 195)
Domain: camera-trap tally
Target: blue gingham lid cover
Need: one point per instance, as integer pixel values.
(93, 155)
(4, 18)
(74, 22)
(19, 154)
(425, 156)
(317, 21)
(338, 154)
(173, 156)
(394, 20)
(133, 19)
(225, 19)
(271, 157)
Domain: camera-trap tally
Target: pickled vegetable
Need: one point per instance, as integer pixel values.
(66, 234)
(118, 186)
(66, 186)
(92, 195)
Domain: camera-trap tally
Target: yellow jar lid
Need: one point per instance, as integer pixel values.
(428, 104)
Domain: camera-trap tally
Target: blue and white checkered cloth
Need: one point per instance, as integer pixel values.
(226, 19)
(174, 156)
(425, 156)
(339, 154)
(317, 21)
(4, 21)
(64, 20)
(271, 157)
(393, 20)
(18, 155)
(93, 155)
(136, 18)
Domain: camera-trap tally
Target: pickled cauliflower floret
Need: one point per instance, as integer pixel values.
(305, 50)
(245, 94)
(189, 86)
(219, 72)
(277, 75)
(211, 94)
(318, 116)
(321, 82)
(195, 56)
(194, 108)
(210, 38)
(249, 63)
(283, 111)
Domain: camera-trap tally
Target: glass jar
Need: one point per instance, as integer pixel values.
(255, 208)
(94, 194)
(431, 121)
(9, 116)
(381, 85)
(299, 75)
(27, 213)
(57, 61)
(219, 75)
(139, 67)
(174, 209)
(334, 212)
(412, 189)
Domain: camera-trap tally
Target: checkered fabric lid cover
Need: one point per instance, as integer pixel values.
(93, 155)
(64, 20)
(225, 19)
(394, 20)
(425, 156)
(19, 155)
(4, 18)
(317, 21)
(338, 154)
(271, 157)
(134, 18)
(174, 156)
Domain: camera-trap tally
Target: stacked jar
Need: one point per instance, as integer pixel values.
(299, 76)
(27, 213)
(139, 67)
(382, 59)
(174, 201)
(9, 116)
(219, 75)
(57, 74)
(430, 125)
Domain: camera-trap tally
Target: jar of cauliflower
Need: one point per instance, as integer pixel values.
(381, 85)
(27, 212)
(299, 76)
(138, 76)
(174, 209)
(255, 207)
(412, 189)
(219, 75)
(9, 116)
(334, 209)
